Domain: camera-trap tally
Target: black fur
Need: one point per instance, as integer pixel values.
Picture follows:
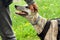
(58, 36)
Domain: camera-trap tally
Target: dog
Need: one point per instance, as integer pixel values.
(46, 29)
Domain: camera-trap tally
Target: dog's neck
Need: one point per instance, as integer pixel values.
(34, 19)
(38, 22)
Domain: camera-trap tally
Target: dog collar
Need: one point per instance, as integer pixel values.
(36, 22)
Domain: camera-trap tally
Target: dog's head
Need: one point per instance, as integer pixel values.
(24, 11)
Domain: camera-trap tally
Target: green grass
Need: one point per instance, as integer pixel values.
(22, 28)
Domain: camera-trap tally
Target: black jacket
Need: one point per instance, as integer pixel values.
(6, 2)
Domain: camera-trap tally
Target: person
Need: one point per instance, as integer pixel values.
(6, 31)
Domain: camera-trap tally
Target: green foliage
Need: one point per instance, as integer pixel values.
(49, 8)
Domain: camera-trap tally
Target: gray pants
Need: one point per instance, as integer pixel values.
(5, 24)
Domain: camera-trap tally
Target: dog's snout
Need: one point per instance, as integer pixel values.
(15, 6)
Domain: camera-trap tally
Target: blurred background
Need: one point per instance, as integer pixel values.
(23, 30)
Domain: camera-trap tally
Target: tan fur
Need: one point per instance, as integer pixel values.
(40, 26)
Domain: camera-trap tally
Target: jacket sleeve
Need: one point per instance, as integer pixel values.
(29, 2)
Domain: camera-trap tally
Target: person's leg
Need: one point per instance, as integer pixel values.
(5, 25)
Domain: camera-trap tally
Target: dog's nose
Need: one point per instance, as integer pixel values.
(15, 6)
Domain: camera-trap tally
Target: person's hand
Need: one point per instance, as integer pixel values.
(33, 7)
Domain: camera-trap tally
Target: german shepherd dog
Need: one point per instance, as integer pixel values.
(46, 29)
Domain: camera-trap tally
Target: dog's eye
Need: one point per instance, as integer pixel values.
(27, 7)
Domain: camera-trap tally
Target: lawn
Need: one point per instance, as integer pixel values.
(22, 28)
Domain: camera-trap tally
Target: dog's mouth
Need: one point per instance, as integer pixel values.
(22, 13)
(19, 11)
